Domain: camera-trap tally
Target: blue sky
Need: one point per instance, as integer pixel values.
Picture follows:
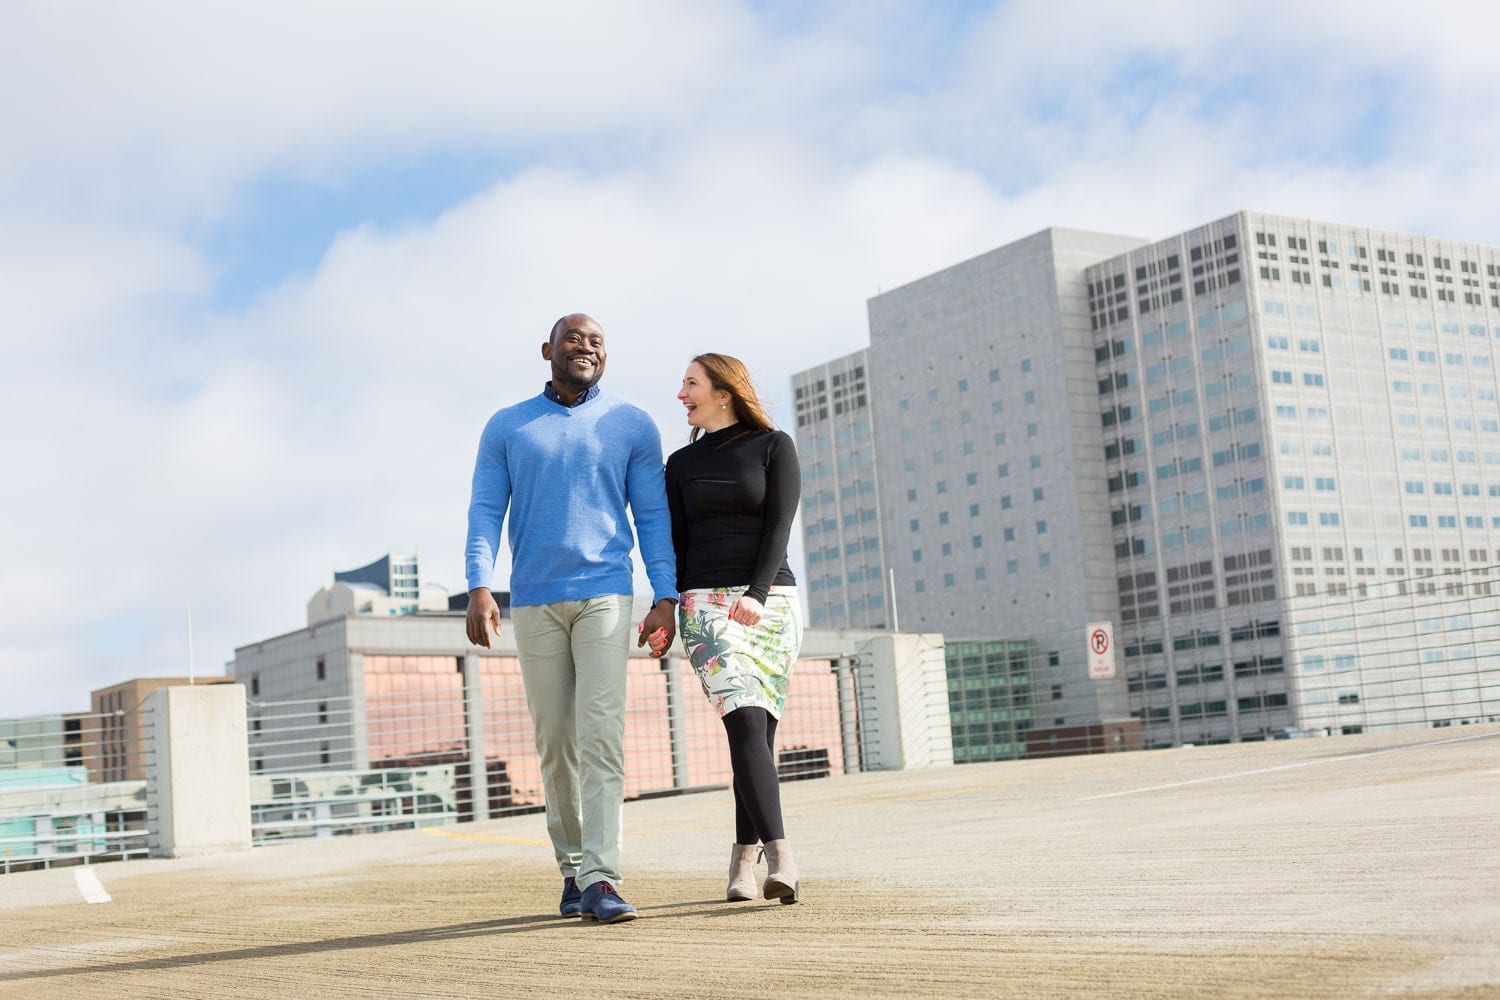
(283, 225)
(265, 272)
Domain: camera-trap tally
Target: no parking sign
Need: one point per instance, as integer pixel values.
(1100, 640)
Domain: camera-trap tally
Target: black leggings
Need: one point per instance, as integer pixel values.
(757, 795)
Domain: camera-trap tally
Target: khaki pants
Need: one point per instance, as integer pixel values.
(573, 665)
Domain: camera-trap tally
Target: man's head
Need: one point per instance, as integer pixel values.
(576, 350)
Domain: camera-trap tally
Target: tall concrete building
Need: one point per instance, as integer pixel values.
(989, 444)
(1303, 465)
(1249, 446)
(841, 522)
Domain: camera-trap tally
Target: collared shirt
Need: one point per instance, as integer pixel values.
(583, 397)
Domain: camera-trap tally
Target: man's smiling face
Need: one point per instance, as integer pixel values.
(576, 351)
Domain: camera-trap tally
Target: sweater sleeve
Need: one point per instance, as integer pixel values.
(783, 492)
(488, 499)
(645, 487)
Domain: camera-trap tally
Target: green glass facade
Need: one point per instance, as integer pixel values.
(990, 699)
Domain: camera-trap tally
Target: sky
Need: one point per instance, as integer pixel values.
(266, 269)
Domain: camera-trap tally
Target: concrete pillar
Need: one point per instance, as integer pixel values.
(676, 723)
(900, 691)
(41, 826)
(197, 782)
(479, 775)
(359, 728)
(907, 685)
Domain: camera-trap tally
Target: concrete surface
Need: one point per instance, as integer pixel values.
(1342, 867)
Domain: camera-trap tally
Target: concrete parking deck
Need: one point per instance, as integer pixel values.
(1355, 866)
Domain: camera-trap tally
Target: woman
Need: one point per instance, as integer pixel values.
(733, 492)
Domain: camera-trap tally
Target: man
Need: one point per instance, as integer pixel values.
(567, 463)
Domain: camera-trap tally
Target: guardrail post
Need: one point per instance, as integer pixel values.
(676, 723)
(843, 672)
(479, 775)
(198, 771)
(323, 816)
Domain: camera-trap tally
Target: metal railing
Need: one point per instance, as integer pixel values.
(73, 789)
(1407, 648)
(407, 753)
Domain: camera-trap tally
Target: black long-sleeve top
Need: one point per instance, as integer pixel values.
(733, 494)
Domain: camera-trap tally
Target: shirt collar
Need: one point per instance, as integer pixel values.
(587, 395)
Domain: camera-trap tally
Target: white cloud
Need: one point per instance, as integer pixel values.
(167, 108)
(746, 193)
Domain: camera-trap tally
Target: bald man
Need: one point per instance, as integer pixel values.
(566, 464)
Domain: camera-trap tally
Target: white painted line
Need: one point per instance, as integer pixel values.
(88, 884)
(1286, 767)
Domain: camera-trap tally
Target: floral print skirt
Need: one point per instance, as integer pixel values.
(741, 665)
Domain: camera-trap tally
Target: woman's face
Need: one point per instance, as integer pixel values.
(706, 406)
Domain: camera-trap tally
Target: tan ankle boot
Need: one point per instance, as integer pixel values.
(781, 880)
(742, 858)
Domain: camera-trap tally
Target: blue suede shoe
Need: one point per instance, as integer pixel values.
(602, 903)
(572, 899)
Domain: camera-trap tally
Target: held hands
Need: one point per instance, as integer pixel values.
(484, 614)
(658, 628)
(747, 611)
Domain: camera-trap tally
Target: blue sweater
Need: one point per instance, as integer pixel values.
(566, 475)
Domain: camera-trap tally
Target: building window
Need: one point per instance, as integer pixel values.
(322, 669)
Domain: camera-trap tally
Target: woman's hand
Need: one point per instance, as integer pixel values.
(747, 611)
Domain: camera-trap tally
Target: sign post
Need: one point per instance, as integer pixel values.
(1100, 640)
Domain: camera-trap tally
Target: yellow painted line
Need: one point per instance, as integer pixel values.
(433, 831)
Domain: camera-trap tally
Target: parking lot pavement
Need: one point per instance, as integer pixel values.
(1337, 867)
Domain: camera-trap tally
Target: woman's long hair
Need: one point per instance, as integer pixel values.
(731, 375)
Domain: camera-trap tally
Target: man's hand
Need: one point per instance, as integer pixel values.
(484, 614)
(659, 627)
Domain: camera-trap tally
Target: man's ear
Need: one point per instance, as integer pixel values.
(546, 350)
